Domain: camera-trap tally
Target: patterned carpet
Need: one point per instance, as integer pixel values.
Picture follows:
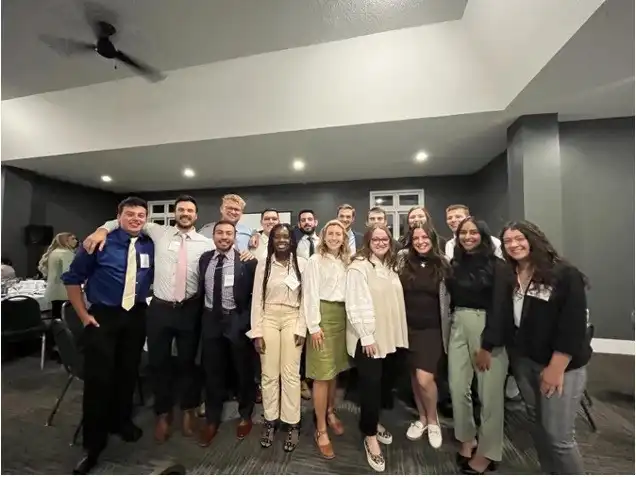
(28, 447)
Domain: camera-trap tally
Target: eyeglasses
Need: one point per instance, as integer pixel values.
(380, 240)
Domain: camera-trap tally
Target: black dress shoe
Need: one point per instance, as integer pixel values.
(128, 432)
(468, 470)
(86, 464)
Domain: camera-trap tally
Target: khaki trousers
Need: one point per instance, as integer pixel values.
(465, 341)
(280, 365)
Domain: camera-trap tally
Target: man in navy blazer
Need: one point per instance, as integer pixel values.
(347, 216)
(225, 288)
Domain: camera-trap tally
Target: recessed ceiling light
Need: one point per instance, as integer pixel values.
(187, 172)
(298, 164)
(107, 179)
(421, 156)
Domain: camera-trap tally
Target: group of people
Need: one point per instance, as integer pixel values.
(288, 305)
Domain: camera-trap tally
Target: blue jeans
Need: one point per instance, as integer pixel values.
(552, 418)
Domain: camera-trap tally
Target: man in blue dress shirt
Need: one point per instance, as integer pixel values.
(117, 282)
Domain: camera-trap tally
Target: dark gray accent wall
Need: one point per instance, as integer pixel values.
(32, 199)
(325, 197)
(597, 158)
(489, 193)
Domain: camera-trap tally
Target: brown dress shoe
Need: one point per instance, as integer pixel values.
(162, 428)
(244, 428)
(188, 426)
(208, 433)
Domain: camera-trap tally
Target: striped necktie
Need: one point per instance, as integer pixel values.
(128, 298)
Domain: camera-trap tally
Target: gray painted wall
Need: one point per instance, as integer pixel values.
(32, 199)
(489, 194)
(598, 213)
(325, 197)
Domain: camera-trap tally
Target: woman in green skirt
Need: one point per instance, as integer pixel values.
(324, 281)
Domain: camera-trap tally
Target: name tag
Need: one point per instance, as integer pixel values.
(292, 282)
(541, 292)
(174, 246)
(228, 281)
(144, 260)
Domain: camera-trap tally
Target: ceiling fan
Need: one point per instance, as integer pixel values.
(104, 47)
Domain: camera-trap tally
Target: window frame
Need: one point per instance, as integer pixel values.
(396, 209)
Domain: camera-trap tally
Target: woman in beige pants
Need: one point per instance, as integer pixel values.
(477, 345)
(279, 330)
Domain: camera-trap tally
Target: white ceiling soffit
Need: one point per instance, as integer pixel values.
(457, 145)
(173, 34)
(474, 65)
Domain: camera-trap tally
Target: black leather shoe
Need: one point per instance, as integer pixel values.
(128, 432)
(86, 464)
(468, 470)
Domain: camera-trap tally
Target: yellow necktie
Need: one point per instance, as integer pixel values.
(128, 299)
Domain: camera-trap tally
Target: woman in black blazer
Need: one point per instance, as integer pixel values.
(545, 308)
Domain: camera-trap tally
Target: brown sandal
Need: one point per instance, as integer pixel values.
(327, 450)
(334, 423)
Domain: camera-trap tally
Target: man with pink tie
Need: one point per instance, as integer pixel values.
(173, 315)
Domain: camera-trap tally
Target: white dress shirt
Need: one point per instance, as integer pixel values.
(324, 278)
(303, 245)
(449, 250)
(167, 239)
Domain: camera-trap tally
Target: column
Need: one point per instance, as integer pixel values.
(534, 174)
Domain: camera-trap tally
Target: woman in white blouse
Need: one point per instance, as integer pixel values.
(376, 329)
(323, 302)
(279, 330)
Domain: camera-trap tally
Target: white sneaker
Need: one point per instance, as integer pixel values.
(384, 436)
(434, 435)
(416, 430)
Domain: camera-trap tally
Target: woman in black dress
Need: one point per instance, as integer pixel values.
(423, 270)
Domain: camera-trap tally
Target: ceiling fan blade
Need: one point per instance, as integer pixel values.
(94, 13)
(66, 46)
(146, 71)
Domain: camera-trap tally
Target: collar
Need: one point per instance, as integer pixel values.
(189, 234)
(228, 254)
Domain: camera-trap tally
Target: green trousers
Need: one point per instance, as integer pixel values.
(465, 341)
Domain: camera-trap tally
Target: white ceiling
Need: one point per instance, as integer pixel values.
(574, 58)
(175, 34)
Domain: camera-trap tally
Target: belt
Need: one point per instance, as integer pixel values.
(174, 304)
(224, 311)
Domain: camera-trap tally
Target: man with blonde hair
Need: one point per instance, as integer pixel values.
(232, 208)
(347, 216)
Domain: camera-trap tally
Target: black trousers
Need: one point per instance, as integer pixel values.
(375, 377)
(217, 351)
(112, 353)
(182, 324)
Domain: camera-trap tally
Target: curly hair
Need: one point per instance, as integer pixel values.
(436, 259)
(543, 256)
(365, 253)
(292, 256)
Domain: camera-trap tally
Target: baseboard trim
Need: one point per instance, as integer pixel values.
(611, 346)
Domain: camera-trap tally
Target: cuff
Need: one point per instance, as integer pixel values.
(367, 340)
(486, 346)
(253, 334)
(314, 329)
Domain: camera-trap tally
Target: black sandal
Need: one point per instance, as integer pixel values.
(293, 436)
(267, 436)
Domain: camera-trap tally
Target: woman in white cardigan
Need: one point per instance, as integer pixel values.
(376, 328)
